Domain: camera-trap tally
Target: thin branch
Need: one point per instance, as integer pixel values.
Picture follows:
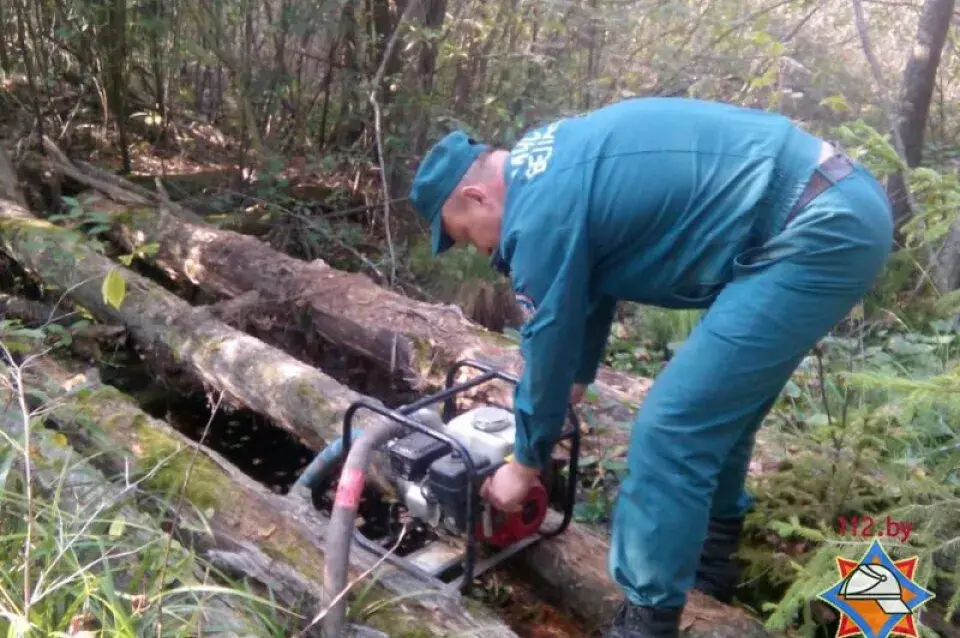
(377, 80)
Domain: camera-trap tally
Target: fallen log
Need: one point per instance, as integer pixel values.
(414, 341)
(571, 572)
(171, 333)
(83, 502)
(118, 188)
(247, 529)
(571, 567)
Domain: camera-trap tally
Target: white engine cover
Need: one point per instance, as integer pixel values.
(487, 430)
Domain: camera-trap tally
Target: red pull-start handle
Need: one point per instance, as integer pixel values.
(510, 528)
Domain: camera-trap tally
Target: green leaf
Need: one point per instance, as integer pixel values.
(99, 229)
(65, 338)
(29, 333)
(836, 103)
(149, 249)
(114, 288)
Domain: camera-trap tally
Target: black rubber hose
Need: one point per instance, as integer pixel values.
(336, 555)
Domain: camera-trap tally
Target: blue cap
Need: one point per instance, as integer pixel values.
(439, 173)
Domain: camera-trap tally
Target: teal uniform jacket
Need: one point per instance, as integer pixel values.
(646, 200)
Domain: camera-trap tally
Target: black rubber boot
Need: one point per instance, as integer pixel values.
(634, 621)
(719, 571)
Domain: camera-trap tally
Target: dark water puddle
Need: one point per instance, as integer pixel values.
(263, 451)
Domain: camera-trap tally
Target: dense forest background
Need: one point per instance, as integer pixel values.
(301, 123)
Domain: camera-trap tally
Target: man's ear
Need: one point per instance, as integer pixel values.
(474, 192)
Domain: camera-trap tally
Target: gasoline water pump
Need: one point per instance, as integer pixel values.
(437, 464)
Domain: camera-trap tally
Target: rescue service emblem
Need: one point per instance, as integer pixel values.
(876, 596)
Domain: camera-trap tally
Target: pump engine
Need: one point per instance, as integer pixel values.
(438, 466)
(434, 479)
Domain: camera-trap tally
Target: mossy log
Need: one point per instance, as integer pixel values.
(246, 529)
(413, 340)
(81, 491)
(186, 340)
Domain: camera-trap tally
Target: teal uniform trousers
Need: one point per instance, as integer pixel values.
(681, 204)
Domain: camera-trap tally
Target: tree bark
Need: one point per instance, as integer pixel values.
(946, 272)
(276, 540)
(919, 79)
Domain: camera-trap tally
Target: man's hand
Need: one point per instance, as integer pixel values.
(576, 393)
(508, 485)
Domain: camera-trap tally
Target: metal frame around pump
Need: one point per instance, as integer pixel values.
(471, 568)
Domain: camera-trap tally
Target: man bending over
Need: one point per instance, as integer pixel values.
(675, 203)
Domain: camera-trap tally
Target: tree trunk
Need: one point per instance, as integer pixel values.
(920, 76)
(919, 79)
(276, 540)
(4, 56)
(946, 272)
(115, 47)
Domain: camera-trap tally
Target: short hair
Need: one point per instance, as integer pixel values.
(480, 171)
